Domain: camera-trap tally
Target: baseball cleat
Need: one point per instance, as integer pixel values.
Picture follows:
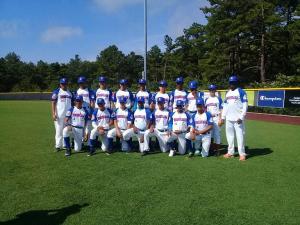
(57, 149)
(191, 155)
(242, 158)
(172, 153)
(227, 156)
(68, 153)
(197, 152)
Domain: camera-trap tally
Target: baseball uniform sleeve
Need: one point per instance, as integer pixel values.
(54, 96)
(209, 118)
(244, 100)
(170, 123)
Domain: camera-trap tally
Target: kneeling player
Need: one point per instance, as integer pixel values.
(76, 120)
(142, 120)
(122, 121)
(201, 124)
(178, 126)
(101, 121)
(159, 128)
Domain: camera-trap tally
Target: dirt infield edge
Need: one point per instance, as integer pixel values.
(293, 120)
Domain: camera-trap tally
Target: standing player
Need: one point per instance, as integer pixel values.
(104, 93)
(101, 122)
(192, 97)
(76, 120)
(125, 94)
(159, 128)
(201, 124)
(143, 93)
(161, 94)
(178, 127)
(62, 100)
(235, 108)
(214, 105)
(142, 119)
(178, 93)
(123, 119)
(88, 97)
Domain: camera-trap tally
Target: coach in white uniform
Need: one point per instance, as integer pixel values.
(161, 94)
(142, 119)
(76, 120)
(159, 128)
(178, 93)
(125, 94)
(104, 93)
(123, 119)
(101, 122)
(62, 100)
(143, 93)
(235, 108)
(178, 127)
(201, 124)
(214, 105)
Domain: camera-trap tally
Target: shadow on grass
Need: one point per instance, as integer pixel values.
(45, 217)
(251, 152)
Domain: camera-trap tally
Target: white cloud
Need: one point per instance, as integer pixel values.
(9, 29)
(58, 34)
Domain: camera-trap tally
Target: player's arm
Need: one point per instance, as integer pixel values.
(130, 120)
(170, 124)
(244, 100)
(152, 104)
(53, 105)
(94, 119)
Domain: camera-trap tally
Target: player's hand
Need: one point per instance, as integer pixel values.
(101, 131)
(239, 121)
(86, 137)
(54, 117)
(119, 134)
(192, 135)
(222, 121)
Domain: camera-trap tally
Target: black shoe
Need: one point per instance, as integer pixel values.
(191, 155)
(68, 152)
(143, 153)
(57, 149)
(91, 153)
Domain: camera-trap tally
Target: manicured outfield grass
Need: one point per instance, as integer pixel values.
(156, 189)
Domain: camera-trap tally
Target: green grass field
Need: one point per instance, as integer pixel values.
(41, 187)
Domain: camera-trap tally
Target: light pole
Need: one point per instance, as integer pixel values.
(145, 33)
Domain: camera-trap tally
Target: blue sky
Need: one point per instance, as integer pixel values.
(56, 30)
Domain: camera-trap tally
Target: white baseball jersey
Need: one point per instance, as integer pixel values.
(191, 101)
(123, 117)
(141, 118)
(179, 121)
(178, 95)
(147, 96)
(63, 101)
(77, 117)
(106, 95)
(161, 118)
(201, 121)
(127, 94)
(87, 95)
(165, 96)
(101, 118)
(214, 105)
(235, 105)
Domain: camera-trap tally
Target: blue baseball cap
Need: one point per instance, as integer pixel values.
(100, 101)
(212, 87)
(179, 80)
(63, 80)
(123, 81)
(161, 100)
(122, 99)
(142, 81)
(79, 98)
(199, 101)
(141, 99)
(163, 83)
(233, 79)
(81, 79)
(102, 79)
(193, 85)
(179, 103)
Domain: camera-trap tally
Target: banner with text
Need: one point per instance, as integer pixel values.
(274, 99)
(292, 98)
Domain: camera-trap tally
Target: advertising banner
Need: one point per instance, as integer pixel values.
(292, 98)
(273, 99)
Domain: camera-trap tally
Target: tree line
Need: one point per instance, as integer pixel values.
(257, 39)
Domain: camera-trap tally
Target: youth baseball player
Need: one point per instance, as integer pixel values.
(123, 120)
(104, 93)
(143, 93)
(159, 128)
(214, 105)
(76, 120)
(142, 119)
(161, 94)
(201, 124)
(178, 127)
(192, 96)
(234, 112)
(178, 93)
(101, 122)
(124, 93)
(62, 100)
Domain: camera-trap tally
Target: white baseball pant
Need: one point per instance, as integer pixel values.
(76, 133)
(201, 142)
(181, 141)
(216, 131)
(232, 129)
(162, 138)
(59, 125)
(112, 134)
(129, 133)
(102, 138)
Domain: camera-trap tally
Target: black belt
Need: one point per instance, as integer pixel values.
(192, 111)
(162, 130)
(77, 127)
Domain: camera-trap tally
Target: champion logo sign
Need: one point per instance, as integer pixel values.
(265, 98)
